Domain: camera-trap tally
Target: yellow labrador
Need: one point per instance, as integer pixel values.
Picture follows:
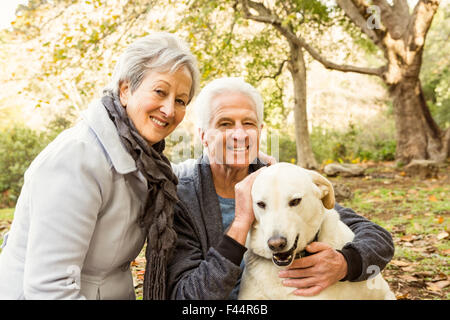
(293, 207)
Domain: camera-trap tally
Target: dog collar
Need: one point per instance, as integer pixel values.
(305, 253)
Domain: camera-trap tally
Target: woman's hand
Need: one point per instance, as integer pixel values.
(244, 216)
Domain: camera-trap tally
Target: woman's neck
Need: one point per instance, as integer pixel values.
(225, 178)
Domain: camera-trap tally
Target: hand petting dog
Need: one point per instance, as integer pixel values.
(244, 215)
(314, 273)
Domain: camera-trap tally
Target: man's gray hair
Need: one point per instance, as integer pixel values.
(203, 102)
(160, 51)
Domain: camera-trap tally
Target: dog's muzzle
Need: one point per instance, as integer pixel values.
(285, 258)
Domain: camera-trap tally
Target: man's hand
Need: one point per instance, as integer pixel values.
(312, 274)
(244, 216)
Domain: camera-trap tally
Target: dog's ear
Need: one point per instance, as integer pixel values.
(325, 187)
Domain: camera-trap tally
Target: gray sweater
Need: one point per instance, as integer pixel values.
(205, 263)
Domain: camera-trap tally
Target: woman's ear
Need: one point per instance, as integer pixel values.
(124, 89)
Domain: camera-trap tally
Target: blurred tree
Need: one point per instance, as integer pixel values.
(296, 16)
(400, 35)
(435, 71)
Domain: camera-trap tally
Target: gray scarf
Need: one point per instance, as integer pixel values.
(157, 217)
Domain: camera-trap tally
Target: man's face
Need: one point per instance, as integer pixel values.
(233, 134)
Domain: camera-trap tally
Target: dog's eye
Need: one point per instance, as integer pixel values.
(261, 204)
(295, 202)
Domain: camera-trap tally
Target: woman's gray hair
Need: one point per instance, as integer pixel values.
(203, 102)
(159, 51)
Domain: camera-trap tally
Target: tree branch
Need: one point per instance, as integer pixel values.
(276, 74)
(266, 16)
(358, 12)
(341, 67)
(422, 17)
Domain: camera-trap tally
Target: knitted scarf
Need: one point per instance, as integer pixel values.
(157, 217)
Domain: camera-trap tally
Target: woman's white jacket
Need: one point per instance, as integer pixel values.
(75, 228)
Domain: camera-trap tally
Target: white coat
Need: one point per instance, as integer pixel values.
(75, 228)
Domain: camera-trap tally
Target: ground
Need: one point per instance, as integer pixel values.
(415, 211)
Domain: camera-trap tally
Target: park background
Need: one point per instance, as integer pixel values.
(356, 82)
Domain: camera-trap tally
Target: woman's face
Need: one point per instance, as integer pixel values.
(233, 134)
(158, 105)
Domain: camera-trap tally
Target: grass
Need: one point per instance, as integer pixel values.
(6, 214)
(417, 214)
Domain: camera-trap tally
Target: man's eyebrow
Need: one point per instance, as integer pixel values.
(225, 119)
(161, 80)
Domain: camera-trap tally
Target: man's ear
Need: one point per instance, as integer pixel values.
(124, 89)
(201, 134)
(325, 187)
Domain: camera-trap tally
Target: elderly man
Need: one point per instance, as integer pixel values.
(215, 212)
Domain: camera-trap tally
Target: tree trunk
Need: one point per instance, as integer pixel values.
(305, 156)
(417, 134)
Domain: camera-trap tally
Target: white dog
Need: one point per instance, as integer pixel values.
(294, 207)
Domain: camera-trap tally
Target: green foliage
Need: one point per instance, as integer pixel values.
(18, 147)
(287, 149)
(435, 72)
(357, 143)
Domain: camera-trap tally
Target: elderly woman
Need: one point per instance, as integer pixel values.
(215, 213)
(100, 189)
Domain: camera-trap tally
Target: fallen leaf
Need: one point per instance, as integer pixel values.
(442, 284)
(430, 249)
(424, 274)
(419, 249)
(409, 269)
(441, 276)
(432, 198)
(446, 252)
(408, 278)
(442, 235)
(408, 237)
(399, 263)
(402, 296)
(438, 286)
(409, 216)
(408, 244)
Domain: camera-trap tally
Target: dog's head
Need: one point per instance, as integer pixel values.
(289, 203)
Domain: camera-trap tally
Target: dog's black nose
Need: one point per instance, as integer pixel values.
(277, 243)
